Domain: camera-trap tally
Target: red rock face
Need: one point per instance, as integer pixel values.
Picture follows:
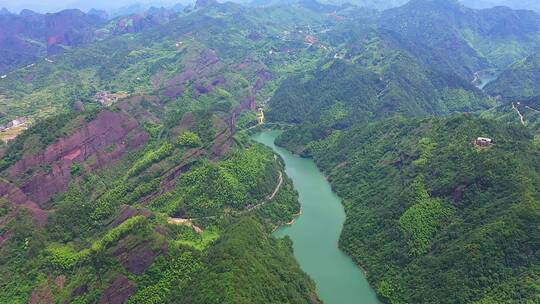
(204, 65)
(187, 121)
(106, 138)
(4, 237)
(119, 291)
(128, 212)
(18, 198)
(136, 258)
(223, 140)
(69, 27)
(42, 295)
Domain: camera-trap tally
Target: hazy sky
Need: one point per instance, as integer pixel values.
(56, 5)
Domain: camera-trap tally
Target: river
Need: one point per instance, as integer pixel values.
(316, 232)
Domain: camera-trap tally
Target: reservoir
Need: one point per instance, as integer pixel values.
(315, 233)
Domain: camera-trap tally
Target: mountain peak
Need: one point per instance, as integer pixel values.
(28, 13)
(438, 3)
(100, 13)
(4, 11)
(205, 3)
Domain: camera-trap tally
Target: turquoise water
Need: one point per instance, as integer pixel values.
(486, 77)
(316, 232)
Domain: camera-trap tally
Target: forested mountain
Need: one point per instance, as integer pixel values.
(423, 184)
(30, 36)
(520, 80)
(424, 54)
(520, 111)
(377, 77)
(468, 40)
(420, 72)
(147, 202)
(449, 222)
(225, 51)
(515, 4)
(136, 181)
(133, 186)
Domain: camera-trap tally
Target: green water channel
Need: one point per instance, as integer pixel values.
(316, 232)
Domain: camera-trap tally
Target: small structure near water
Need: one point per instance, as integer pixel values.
(260, 116)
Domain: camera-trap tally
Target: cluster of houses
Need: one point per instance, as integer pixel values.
(107, 99)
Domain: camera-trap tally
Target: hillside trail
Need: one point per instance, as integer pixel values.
(521, 118)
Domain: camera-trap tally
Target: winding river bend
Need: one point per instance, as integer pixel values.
(316, 232)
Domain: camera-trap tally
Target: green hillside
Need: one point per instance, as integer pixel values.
(519, 81)
(448, 222)
(149, 217)
(194, 52)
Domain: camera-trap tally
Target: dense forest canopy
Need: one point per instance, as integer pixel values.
(434, 205)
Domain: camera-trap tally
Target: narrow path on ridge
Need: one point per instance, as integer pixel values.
(519, 113)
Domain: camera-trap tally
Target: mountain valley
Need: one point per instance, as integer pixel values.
(129, 173)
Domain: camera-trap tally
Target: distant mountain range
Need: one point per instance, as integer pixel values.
(386, 4)
(515, 4)
(122, 8)
(30, 36)
(109, 6)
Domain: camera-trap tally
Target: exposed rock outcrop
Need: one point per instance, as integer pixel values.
(119, 291)
(35, 179)
(136, 257)
(27, 36)
(42, 295)
(114, 130)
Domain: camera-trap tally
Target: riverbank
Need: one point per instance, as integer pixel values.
(316, 231)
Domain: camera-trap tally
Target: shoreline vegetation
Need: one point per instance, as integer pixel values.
(323, 216)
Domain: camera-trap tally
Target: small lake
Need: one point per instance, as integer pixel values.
(315, 233)
(485, 77)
